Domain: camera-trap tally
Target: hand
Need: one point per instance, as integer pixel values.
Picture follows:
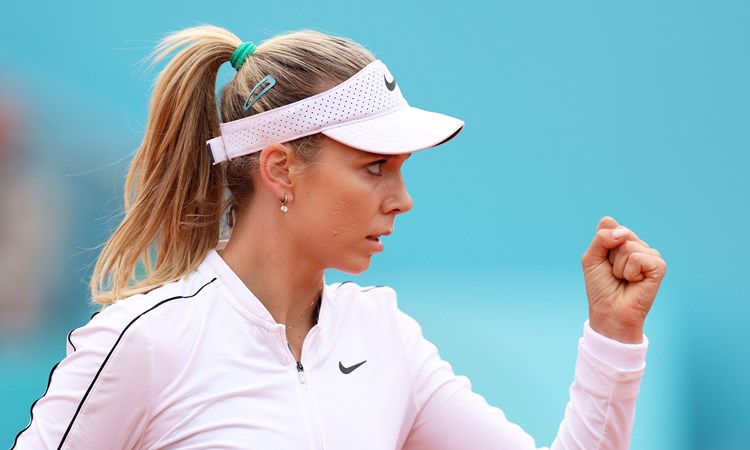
(622, 276)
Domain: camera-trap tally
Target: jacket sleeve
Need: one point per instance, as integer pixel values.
(99, 394)
(599, 414)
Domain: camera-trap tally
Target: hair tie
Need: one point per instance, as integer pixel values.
(241, 53)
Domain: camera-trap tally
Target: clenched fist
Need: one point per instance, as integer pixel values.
(622, 276)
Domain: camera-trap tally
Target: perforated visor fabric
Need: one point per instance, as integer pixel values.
(367, 111)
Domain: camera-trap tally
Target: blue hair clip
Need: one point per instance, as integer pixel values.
(253, 97)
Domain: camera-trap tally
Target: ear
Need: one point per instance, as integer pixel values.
(275, 163)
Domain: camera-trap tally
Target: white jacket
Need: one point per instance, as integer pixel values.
(201, 364)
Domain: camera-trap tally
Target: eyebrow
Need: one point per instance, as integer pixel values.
(380, 155)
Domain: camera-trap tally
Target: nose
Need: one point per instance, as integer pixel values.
(398, 201)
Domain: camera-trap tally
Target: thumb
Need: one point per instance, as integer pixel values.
(607, 222)
(609, 235)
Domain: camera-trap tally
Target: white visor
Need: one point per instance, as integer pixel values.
(366, 112)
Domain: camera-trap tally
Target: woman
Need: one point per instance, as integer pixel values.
(247, 347)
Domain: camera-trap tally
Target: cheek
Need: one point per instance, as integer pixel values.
(323, 215)
(340, 202)
(344, 216)
(335, 211)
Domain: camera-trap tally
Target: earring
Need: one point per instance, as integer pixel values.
(284, 208)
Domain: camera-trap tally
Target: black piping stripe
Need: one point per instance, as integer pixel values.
(362, 289)
(91, 386)
(101, 368)
(71, 342)
(80, 405)
(70, 333)
(31, 410)
(343, 283)
(74, 329)
(368, 289)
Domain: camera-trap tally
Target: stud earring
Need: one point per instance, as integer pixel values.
(284, 208)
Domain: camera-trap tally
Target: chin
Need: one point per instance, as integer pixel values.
(355, 268)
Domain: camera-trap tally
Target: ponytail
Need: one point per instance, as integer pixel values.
(174, 196)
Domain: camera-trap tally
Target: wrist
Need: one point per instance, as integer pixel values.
(623, 357)
(615, 329)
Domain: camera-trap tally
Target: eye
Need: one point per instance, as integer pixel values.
(376, 168)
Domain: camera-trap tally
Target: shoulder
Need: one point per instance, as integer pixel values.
(373, 305)
(128, 318)
(349, 290)
(351, 297)
(175, 296)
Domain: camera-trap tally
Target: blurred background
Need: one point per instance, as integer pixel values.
(573, 110)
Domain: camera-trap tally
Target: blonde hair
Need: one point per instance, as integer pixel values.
(174, 197)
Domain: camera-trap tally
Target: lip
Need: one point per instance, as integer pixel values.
(375, 242)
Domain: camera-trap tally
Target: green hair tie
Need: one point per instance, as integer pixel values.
(240, 55)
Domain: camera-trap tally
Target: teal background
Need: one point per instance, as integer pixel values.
(573, 110)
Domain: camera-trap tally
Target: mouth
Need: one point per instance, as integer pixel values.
(376, 237)
(374, 240)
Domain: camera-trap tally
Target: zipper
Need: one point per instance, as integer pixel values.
(308, 401)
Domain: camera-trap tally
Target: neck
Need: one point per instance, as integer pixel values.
(274, 270)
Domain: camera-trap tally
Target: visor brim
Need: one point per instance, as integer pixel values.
(405, 130)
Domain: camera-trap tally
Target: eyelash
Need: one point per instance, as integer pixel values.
(379, 165)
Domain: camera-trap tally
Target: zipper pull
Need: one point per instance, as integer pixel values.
(301, 372)
(300, 369)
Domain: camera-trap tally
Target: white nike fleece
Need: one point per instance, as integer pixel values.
(201, 364)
